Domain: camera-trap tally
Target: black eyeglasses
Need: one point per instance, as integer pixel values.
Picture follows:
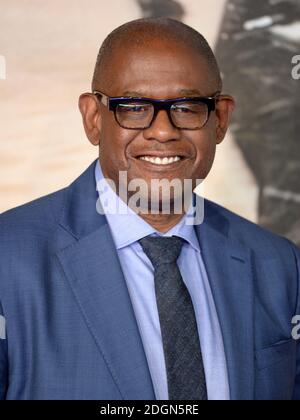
(139, 113)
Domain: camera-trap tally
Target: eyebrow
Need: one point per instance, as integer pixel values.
(183, 93)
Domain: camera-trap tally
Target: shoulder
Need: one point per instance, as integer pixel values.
(260, 240)
(28, 239)
(275, 260)
(39, 215)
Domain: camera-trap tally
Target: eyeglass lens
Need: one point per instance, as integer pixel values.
(188, 115)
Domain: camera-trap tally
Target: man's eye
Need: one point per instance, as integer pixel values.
(182, 109)
(185, 109)
(189, 108)
(133, 108)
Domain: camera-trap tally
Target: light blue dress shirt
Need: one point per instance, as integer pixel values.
(127, 229)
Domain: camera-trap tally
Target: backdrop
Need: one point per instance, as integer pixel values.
(47, 54)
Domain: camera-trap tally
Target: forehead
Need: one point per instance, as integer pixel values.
(162, 70)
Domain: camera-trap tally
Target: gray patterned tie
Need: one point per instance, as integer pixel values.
(184, 364)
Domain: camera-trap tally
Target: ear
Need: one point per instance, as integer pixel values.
(224, 108)
(91, 117)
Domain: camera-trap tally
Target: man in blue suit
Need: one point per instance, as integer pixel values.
(134, 305)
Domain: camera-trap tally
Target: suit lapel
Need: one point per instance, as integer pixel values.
(93, 271)
(228, 267)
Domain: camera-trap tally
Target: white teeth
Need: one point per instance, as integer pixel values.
(161, 161)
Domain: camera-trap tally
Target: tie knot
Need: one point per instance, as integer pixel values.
(162, 250)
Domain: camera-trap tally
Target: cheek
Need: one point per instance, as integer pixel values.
(205, 147)
(113, 146)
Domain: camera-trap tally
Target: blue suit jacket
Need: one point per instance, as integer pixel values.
(71, 329)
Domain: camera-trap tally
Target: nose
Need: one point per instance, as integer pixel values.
(162, 129)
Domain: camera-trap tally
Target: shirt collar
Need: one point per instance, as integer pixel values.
(126, 226)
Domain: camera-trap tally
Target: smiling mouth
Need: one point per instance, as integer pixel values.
(161, 161)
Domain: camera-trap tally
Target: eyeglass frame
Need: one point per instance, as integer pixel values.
(158, 104)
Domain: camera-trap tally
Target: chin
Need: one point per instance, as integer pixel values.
(165, 203)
